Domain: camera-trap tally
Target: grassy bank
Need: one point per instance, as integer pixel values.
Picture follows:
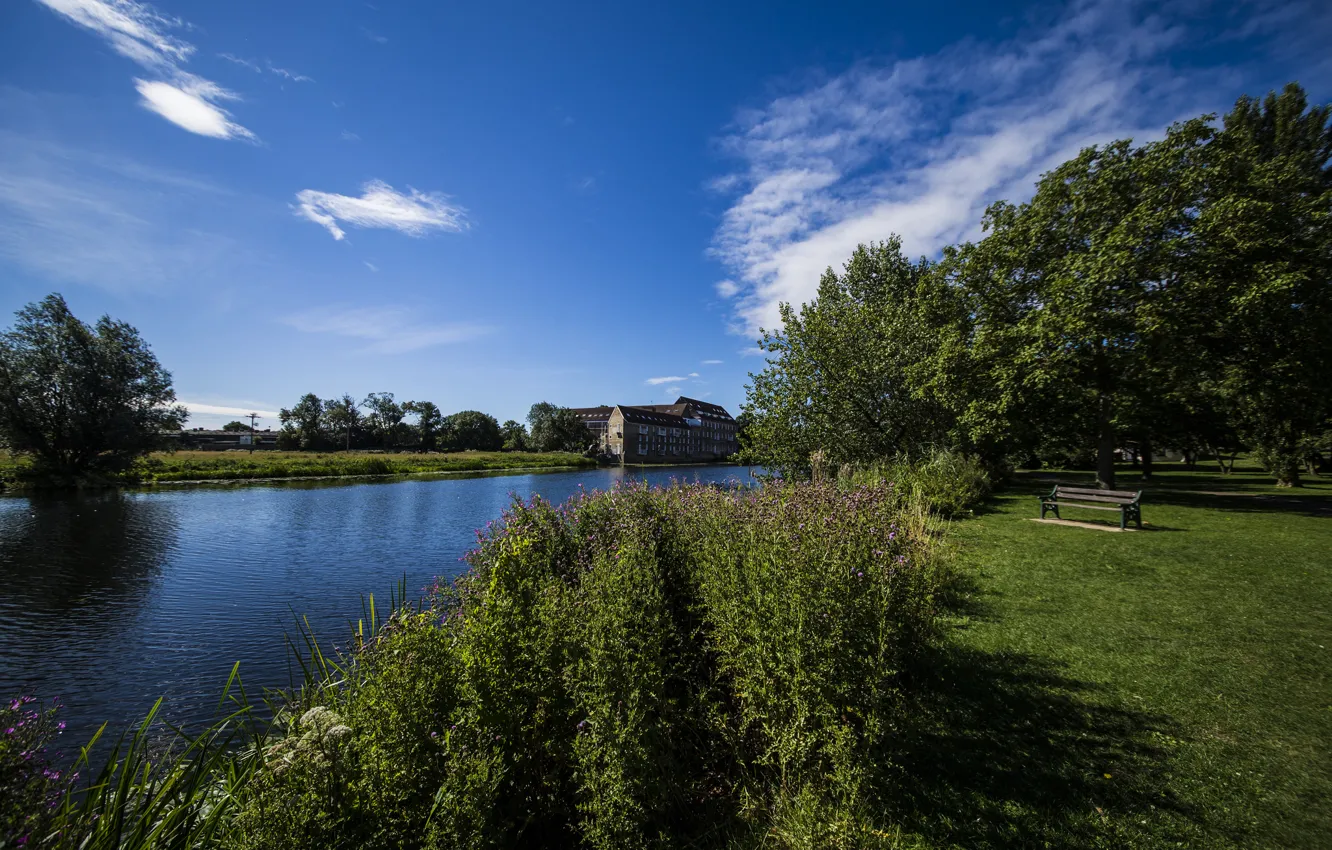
(230, 466)
(1161, 688)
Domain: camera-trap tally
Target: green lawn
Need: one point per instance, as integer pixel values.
(1161, 688)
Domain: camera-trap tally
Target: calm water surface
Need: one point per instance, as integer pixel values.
(109, 601)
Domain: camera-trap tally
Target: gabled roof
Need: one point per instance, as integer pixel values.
(705, 408)
(650, 416)
(593, 414)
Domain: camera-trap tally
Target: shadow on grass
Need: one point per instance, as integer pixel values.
(1004, 750)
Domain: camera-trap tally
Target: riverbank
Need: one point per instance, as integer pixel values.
(200, 467)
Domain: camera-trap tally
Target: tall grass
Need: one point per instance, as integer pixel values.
(680, 667)
(946, 483)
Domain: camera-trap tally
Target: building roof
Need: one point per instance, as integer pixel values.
(651, 416)
(600, 413)
(706, 408)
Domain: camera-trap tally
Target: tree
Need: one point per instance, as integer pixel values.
(850, 372)
(234, 425)
(429, 422)
(556, 429)
(342, 420)
(515, 436)
(384, 419)
(1080, 291)
(473, 429)
(1264, 241)
(78, 398)
(303, 424)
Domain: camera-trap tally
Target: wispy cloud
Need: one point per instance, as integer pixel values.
(79, 216)
(374, 36)
(371, 266)
(268, 66)
(919, 147)
(349, 136)
(197, 407)
(141, 33)
(190, 102)
(386, 330)
(669, 379)
(380, 205)
(712, 362)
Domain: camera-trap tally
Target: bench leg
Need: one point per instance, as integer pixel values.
(1123, 518)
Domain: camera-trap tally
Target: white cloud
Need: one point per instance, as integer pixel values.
(224, 410)
(380, 205)
(268, 65)
(244, 63)
(921, 146)
(386, 330)
(693, 374)
(673, 390)
(712, 362)
(134, 30)
(371, 266)
(349, 136)
(669, 379)
(137, 31)
(189, 103)
(727, 288)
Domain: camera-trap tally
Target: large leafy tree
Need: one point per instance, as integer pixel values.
(515, 436)
(80, 398)
(342, 420)
(472, 429)
(384, 419)
(852, 372)
(429, 422)
(1078, 297)
(556, 429)
(1264, 245)
(303, 424)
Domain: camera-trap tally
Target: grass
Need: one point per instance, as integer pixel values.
(1154, 689)
(184, 466)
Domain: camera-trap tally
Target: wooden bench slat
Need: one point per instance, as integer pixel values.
(1087, 506)
(1086, 497)
(1096, 492)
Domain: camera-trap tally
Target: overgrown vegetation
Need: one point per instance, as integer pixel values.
(234, 465)
(684, 667)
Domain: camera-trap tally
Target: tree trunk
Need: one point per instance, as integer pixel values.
(1105, 448)
(1146, 450)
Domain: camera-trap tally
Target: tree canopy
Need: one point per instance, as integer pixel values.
(556, 429)
(80, 398)
(1174, 293)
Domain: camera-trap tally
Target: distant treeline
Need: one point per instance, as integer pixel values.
(380, 422)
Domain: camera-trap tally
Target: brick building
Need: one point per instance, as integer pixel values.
(687, 431)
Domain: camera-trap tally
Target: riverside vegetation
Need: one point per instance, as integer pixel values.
(165, 467)
(687, 666)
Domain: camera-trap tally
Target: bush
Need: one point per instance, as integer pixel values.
(665, 668)
(946, 483)
(29, 783)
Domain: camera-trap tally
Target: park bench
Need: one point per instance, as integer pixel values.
(1125, 501)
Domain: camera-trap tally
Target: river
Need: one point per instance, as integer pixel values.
(110, 600)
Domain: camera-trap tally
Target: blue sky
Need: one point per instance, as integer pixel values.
(488, 205)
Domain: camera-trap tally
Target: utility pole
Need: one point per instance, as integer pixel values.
(253, 416)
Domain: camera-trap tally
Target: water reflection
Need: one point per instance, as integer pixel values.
(111, 600)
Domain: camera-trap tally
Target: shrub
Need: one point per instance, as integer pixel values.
(945, 483)
(664, 668)
(29, 783)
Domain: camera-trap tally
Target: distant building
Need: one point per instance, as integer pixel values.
(688, 430)
(210, 440)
